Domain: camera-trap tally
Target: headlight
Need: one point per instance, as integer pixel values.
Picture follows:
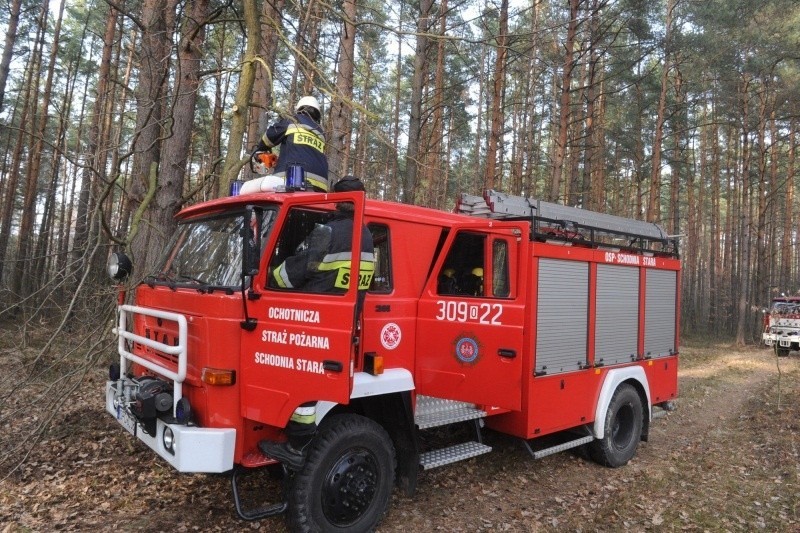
(119, 266)
(168, 438)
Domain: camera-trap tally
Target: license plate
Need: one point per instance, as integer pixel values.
(127, 420)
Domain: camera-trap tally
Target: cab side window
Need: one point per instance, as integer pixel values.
(501, 284)
(296, 251)
(462, 273)
(468, 267)
(382, 278)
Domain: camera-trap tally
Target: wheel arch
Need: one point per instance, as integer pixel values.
(386, 399)
(633, 375)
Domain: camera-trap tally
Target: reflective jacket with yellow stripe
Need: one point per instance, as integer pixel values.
(324, 263)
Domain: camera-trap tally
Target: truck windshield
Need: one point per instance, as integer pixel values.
(785, 308)
(208, 252)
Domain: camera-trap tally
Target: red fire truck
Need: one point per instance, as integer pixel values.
(781, 328)
(552, 324)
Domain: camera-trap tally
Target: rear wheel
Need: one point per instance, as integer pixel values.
(347, 479)
(623, 428)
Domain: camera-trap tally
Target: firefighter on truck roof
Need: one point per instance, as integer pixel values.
(322, 265)
(301, 143)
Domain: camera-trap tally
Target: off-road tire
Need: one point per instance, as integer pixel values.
(781, 351)
(623, 429)
(347, 478)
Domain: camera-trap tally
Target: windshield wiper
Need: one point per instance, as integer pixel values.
(163, 277)
(203, 284)
(182, 277)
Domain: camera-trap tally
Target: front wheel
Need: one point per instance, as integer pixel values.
(782, 351)
(623, 429)
(347, 479)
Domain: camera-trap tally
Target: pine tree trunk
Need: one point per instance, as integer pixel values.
(435, 171)
(233, 159)
(744, 281)
(492, 173)
(362, 131)
(395, 188)
(178, 127)
(418, 79)
(674, 212)
(215, 159)
(306, 43)
(714, 323)
(42, 258)
(565, 110)
(13, 172)
(590, 197)
(19, 282)
(8, 47)
(341, 116)
(150, 95)
(93, 159)
(760, 279)
(654, 200)
(786, 277)
(261, 100)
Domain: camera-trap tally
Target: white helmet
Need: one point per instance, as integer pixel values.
(307, 101)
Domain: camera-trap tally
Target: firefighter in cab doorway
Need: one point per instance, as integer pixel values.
(472, 283)
(301, 143)
(323, 264)
(448, 284)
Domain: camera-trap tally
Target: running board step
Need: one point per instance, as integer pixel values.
(452, 454)
(434, 412)
(544, 452)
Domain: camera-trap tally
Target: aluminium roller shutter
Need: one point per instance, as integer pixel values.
(617, 314)
(562, 316)
(659, 319)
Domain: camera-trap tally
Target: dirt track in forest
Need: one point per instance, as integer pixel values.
(727, 459)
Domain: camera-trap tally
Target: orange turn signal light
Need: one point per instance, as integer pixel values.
(218, 376)
(373, 364)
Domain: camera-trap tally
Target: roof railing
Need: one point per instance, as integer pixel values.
(574, 225)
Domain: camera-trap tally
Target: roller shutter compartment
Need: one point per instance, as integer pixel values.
(617, 321)
(659, 320)
(562, 316)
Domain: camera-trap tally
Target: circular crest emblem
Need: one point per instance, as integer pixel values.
(391, 335)
(467, 350)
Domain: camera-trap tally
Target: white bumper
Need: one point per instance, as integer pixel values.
(784, 340)
(194, 449)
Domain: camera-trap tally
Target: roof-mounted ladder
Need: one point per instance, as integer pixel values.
(572, 224)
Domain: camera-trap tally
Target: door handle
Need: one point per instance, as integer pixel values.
(506, 352)
(332, 366)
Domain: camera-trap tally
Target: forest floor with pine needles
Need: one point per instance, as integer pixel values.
(728, 459)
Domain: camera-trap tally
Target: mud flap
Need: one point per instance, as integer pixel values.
(394, 413)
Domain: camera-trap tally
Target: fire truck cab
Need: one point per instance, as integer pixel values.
(782, 325)
(552, 324)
